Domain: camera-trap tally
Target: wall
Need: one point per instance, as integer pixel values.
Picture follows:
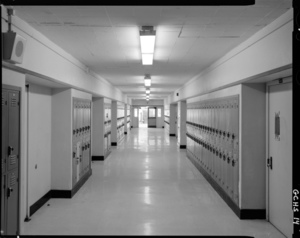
(61, 169)
(151, 102)
(39, 142)
(269, 50)
(42, 56)
(17, 79)
(253, 148)
(98, 127)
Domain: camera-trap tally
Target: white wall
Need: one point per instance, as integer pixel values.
(45, 59)
(269, 50)
(12, 78)
(39, 142)
(253, 146)
(61, 164)
(151, 102)
(98, 127)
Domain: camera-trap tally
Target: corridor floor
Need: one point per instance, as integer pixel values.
(147, 186)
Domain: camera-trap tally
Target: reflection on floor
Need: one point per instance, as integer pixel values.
(146, 186)
(143, 125)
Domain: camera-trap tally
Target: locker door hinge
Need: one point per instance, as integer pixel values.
(270, 163)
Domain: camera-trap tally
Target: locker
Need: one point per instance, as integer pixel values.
(75, 132)
(235, 162)
(13, 127)
(10, 161)
(12, 201)
(4, 131)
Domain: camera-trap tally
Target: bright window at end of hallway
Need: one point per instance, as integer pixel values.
(151, 112)
(158, 112)
(135, 112)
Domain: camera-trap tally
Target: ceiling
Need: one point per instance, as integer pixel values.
(188, 38)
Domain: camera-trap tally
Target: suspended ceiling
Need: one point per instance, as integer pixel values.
(188, 38)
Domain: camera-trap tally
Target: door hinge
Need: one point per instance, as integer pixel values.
(270, 163)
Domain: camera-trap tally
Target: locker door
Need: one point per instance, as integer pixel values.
(74, 159)
(280, 149)
(230, 149)
(4, 130)
(235, 161)
(13, 128)
(3, 205)
(12, 202)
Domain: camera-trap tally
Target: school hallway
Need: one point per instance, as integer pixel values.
(147, 186)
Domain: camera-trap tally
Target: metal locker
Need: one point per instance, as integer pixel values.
(13, 128)
(227, 142)
(3, 204)
(4, 131)
(74, 141)
(235, 162)
(230, 172)
(12, 193)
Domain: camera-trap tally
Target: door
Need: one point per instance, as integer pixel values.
(280, 157)
(152, 117)
(10, 161)
(135, 118)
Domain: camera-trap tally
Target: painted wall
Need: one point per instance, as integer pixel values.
(39, 142)
(12, 78)
(45, 59)
(269, 50)
(151, 102)
(61, 167)
(98, 127)
(253, 146)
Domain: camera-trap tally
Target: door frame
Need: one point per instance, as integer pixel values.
(279, 81)
(19, 89)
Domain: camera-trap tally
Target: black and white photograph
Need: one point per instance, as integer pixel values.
(149, 119)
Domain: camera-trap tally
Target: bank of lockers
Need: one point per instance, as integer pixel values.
(213, 140)
(81, 138)
(120, 123)
(107, 128)
(128, 119)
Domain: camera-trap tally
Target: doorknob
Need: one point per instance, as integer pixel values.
(270, 162)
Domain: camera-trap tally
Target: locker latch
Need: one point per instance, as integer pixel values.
(10, 150)
(9, 191)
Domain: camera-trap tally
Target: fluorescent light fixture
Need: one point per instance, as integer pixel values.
(147, 82)
(147, 59)
(147, 91)
(147, 44)
(147, 99)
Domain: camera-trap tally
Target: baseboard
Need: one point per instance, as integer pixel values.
(79, 184)
(39, 203)
(182, 147)
(151, 126)
(114, 144)
(71, 193)
(241, 213)
(172, 134)
(96, 157)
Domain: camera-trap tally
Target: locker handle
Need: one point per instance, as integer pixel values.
(224, 157)
(228, 134)
(74, 154)
(74, 131)
(10, 150)
(228, 159)
(9, 191)
(233, 163)
(77, 130)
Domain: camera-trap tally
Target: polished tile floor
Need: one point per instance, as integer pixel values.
(147, 186)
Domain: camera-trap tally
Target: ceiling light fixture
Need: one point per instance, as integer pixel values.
(147, 91)
(147, 80)
(147, 38)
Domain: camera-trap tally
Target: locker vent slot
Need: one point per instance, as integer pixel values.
(13, 102)
(12, 159)
(13, 179)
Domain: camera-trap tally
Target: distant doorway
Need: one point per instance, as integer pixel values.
(143, 117)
